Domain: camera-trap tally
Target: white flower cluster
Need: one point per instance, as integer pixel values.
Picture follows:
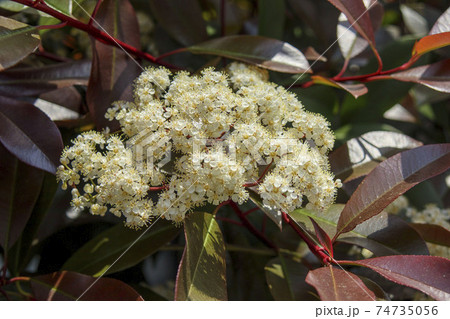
(226, 132)
(431, 214)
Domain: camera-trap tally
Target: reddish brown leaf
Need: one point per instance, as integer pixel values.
(334, 284)
(29, 134)
(20, 185)
(442, 24)
(429, 274)
(358, 156)
(264, 52)
(358, 16)
(323, 237)
(389, 180)
(312, 55)
(354, 89)
(113, 70)
(435, 76)
(430, 43)
(68, 286)
(433, 233)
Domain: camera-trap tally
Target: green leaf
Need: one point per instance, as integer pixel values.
(286, 280)
(120, 248)
(358, 156)
(113, 71)
(391, 179)
(69, 286)
(379, 234)
(17, 41)
(264, 52)
(201, 275)
(20, 185)
(182, 20)
(271, 18)
(63, 6)
(334, 284)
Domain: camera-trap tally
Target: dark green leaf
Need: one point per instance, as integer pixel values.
(391, 179)
(334, 284)
(358, 156)
(17, 41)
(271, 18)
(267, 53)
(69, 286)
(29, 134)
(286, 280)
(113, 70)
(120, 248)
(182, 20)
(201, 275)
(20, 185)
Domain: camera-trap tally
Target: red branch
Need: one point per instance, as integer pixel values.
(92, 31)
(315, 249)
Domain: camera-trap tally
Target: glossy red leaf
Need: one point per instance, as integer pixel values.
(350, 43)
(435, 76)
(429, 274)
(354, 89)
(442, 24)
(334, 284)
(264, 52)
(182, 20)
(20, 185)
(69, 286)
(312, 55)
(323, 237)
(433, 233)
(391, 179)
(113, 70)
(29, 134)
(430, 43)
(358, 16)
(359, 155)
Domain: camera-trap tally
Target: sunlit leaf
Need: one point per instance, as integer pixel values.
(358, 156)
(430, 43)
(264, 52)
(69, 286)
(354, 89)
(29, 134)
(286, 280)
(435, 76)
(334, 284)
(379, 234)
(201, 275)
(182, 20)
(391, 179)
(429, 274)
(273, 214)
(113, 70)
(350, 43)
(17, 41)
(442, 24)
(20, 185)
(358, 16)
(120, 248)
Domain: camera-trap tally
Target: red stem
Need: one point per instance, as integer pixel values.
(164, 55)
(94, 32)
(260, 178)
(158, 188)
(10, 281)
(228, 220)
(252, 228)
(315, 249)
(94, 13)
(254, 209)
